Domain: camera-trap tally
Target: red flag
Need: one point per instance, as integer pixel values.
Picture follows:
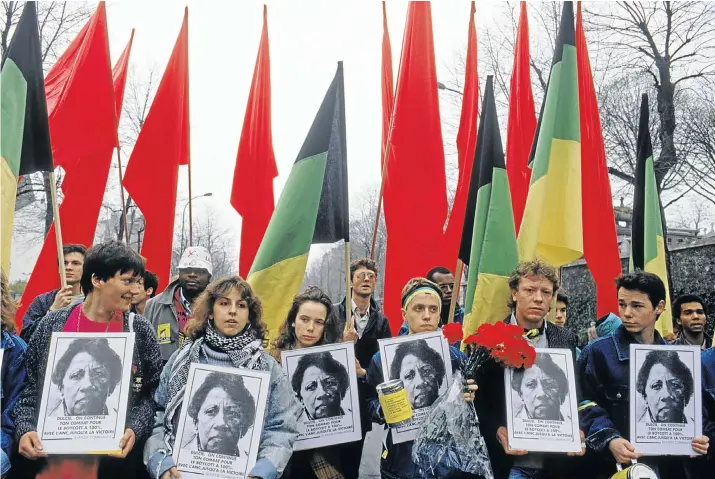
(388, 86)
(83, 130)
(521, 125)
(600, 242)
(252, 192)
(415, 210)
(119, 76)
(162, 145)
(466, 144)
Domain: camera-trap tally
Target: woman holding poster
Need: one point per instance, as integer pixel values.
(312, 321)
(110, 280)
(227, 330)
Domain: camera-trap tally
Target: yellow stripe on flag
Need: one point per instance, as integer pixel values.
(276, 286)
(8, 190)
(657, 266)
(490, 302)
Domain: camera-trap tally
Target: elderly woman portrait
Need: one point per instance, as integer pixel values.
(422, 371)
(86, 375)
(666, 385)
(222, 410)
(542, 389)
(320, 383)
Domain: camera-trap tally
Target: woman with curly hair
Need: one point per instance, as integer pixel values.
(13, 371)
(227, 330)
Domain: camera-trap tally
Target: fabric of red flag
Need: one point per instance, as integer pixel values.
(388, 85)
(466, 144)
(83, 131)
(521, 124)
(162, 145)
(600, 241)
(415, 211)
(252, 192)
(119, 76)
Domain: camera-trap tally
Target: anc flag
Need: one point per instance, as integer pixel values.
(313, 208)
(647, 239)
(493, 253)
(551, 227)
(25, 133)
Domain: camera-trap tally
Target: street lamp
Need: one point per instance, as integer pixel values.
(183, 218)
(442, 86)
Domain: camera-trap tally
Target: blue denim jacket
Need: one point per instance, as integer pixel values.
(708, 377)
(280, 426)
(604, 368)
(397, 462)
(13, 381)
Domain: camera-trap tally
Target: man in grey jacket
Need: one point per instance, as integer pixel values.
(169, 312)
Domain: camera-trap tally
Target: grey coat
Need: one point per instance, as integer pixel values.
(160, 313)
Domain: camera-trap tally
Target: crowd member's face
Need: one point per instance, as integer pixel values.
(560, 319)
(310, 323)
(445, 283)
(85, 386)
(422, 313)
(218, 423)
(118, 292)
(533, 298)
(320, 393)
(665, 394)
(636, 311)
(420, 380)
(540, 393)
(193, 280)
(692, 317)
(230, 313)
(363, 282)
(143, 295)
(74, 262)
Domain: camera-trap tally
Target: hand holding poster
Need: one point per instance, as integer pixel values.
(541, 404)
(221, 422)
(666, 399)
(422, 362)
(325, 382)
(85, 394)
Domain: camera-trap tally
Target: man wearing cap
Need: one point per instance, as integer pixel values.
(171, 310)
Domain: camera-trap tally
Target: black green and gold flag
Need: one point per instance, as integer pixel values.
(24, 130)
(493, 255)
(647, 239)
(313, 208)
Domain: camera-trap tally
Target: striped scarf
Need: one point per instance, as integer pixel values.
(244, 350)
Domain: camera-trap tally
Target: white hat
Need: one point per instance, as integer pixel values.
(196, 257)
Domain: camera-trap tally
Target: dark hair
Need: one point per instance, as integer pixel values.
(151, 281)
(671, 360)
(562, 297)
(327, 363)
(356, 264)
(534, 267)
(421, 350)
(233, 385)
(8, 307)
(331, 333)
(104, 260)
(550, 368)
(74, 248)
(437, 270)
(416, 283)
(99, 349)
(647, 283)
(686, 298)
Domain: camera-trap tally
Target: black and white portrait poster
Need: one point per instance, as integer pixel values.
(666, 407)
(221, 421)
(541, 404)
(84, 397)
(325, 382)
(423, 364)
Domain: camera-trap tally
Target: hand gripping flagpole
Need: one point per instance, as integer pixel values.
(58, 228)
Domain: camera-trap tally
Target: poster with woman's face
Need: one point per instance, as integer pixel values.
(324, 381)
(541, 404)
(666, 407)
(422, 362)
(221, 421)
(85, 393)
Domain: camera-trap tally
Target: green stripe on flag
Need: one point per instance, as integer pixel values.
(13, 93)
(653, 223)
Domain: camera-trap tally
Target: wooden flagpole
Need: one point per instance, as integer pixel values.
(456, 288)
(349, 319)
(58, 228)
(121, 189)
(191, 210)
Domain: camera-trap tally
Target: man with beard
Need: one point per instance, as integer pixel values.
(691, 317)
(171, 310)
(666, 384)
(542, 388)
(320, 383)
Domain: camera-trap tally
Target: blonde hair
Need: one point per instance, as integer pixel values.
(9, 306)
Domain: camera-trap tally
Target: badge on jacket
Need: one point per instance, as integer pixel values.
(163, 333)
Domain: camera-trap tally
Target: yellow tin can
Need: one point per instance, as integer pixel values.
(394, 401)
